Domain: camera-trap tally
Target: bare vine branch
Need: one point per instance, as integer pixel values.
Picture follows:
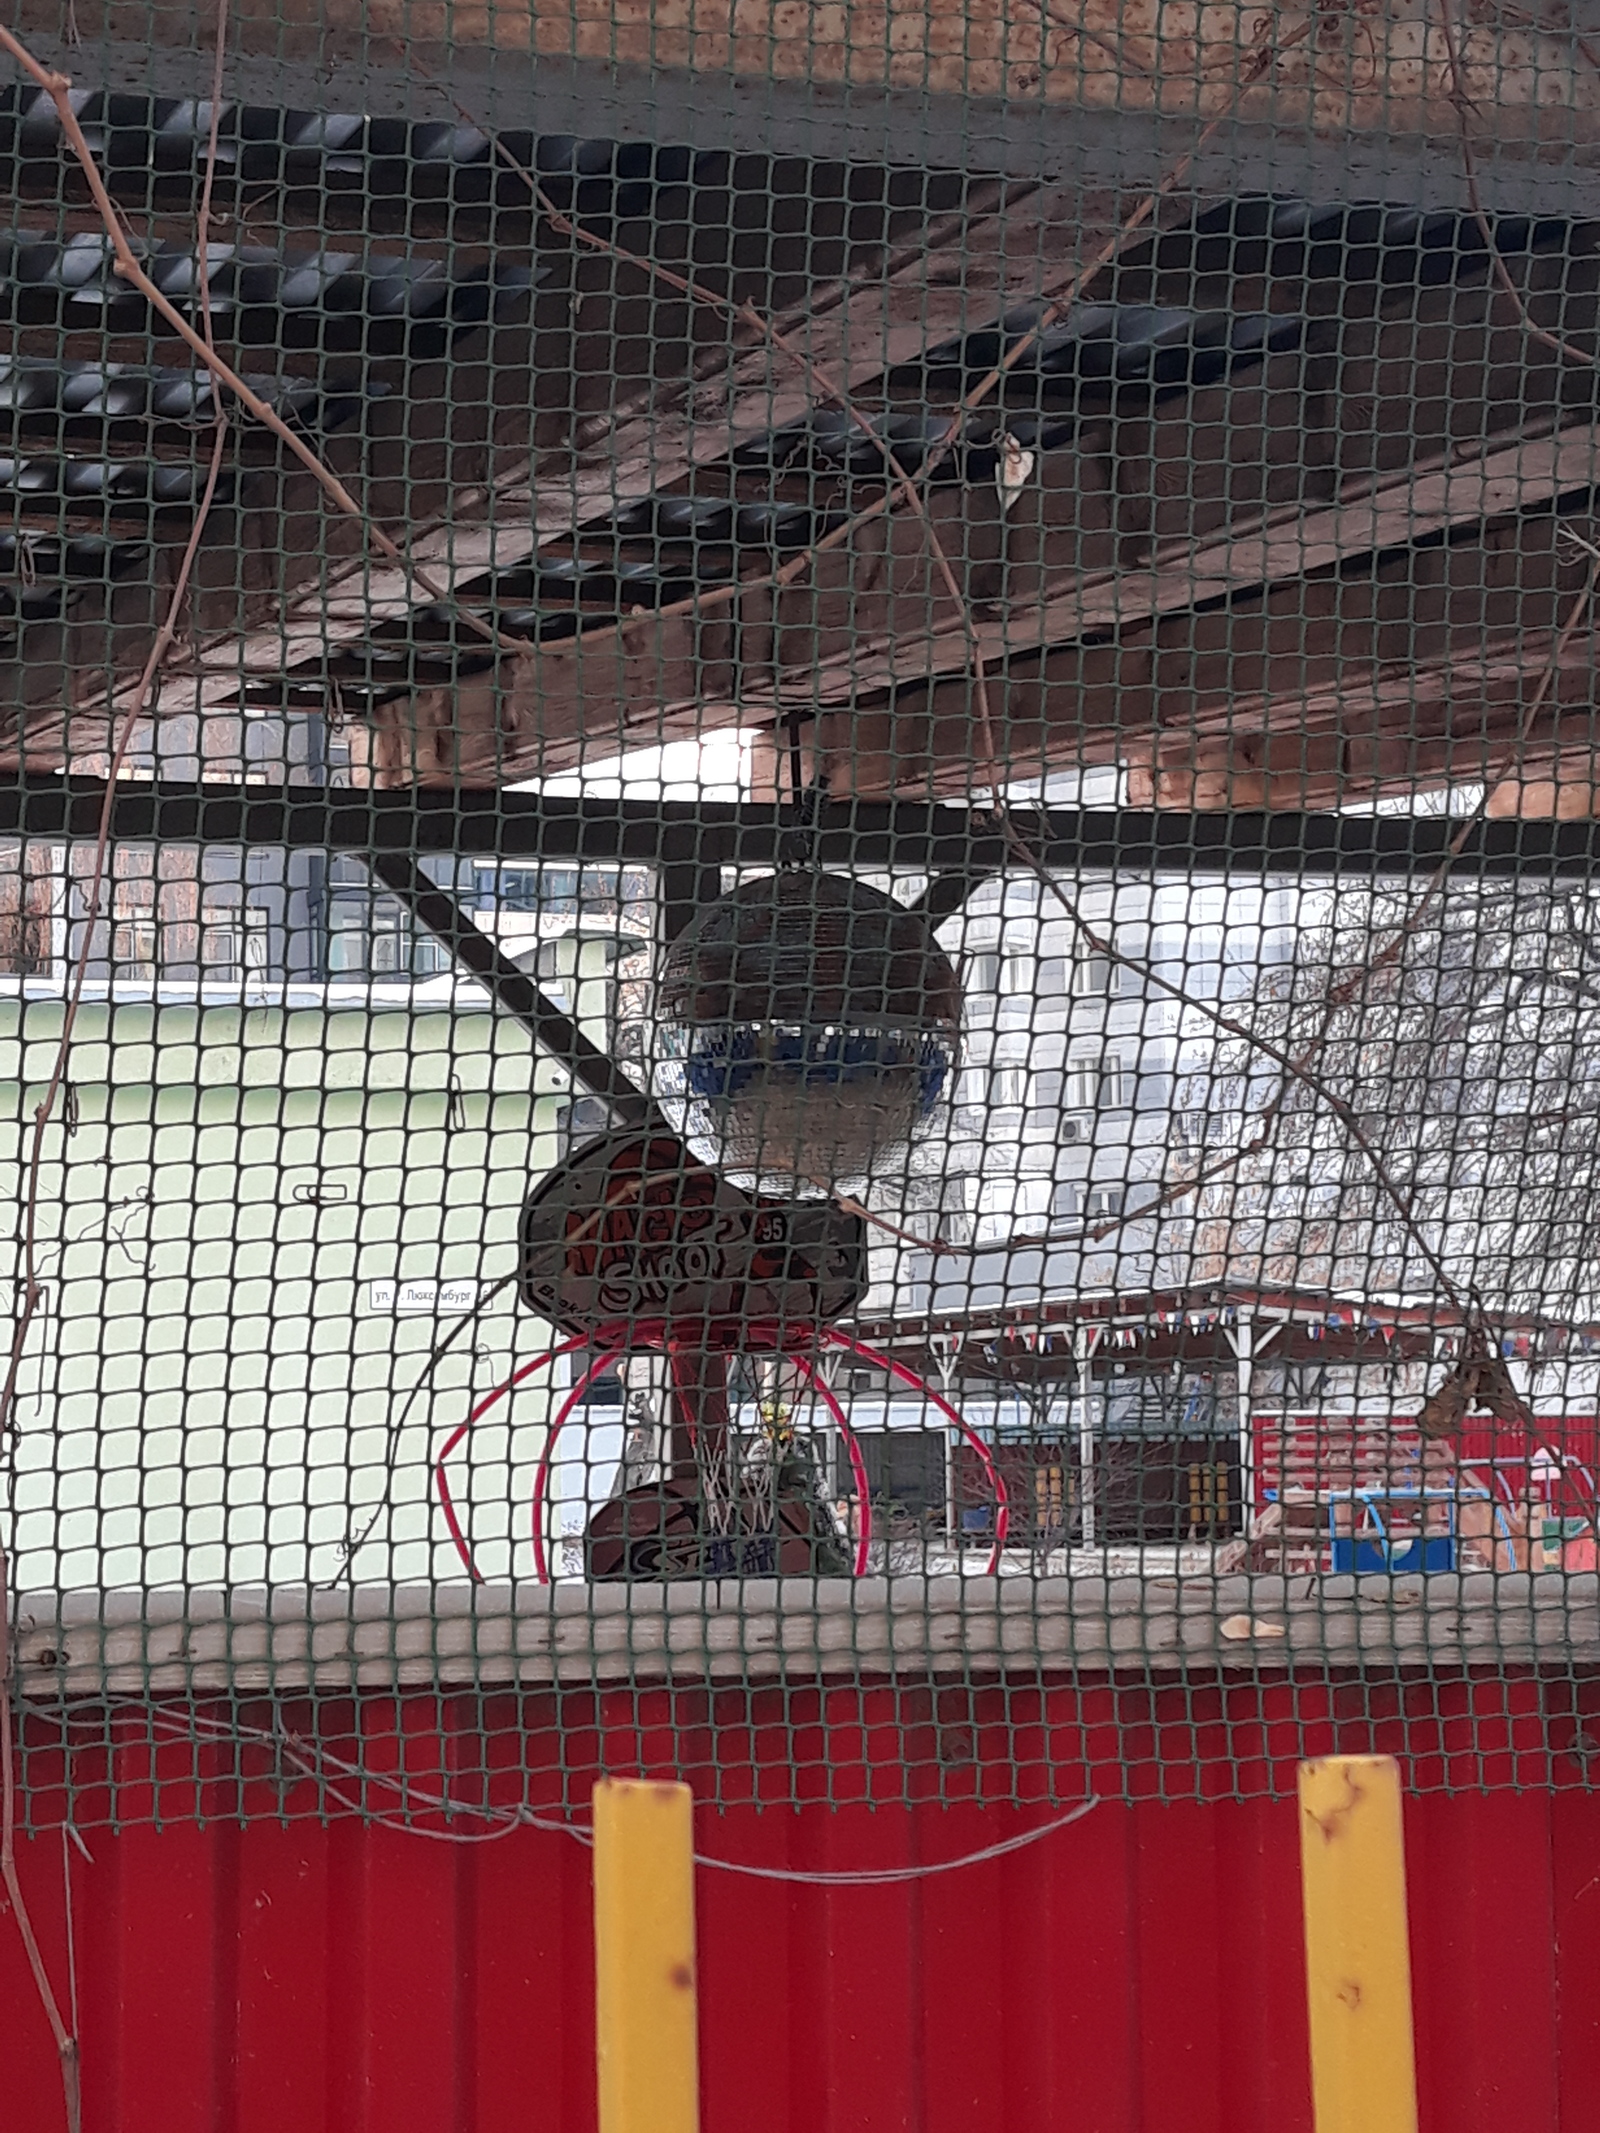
(31, 1292)
(58, 87)
(1448, 23)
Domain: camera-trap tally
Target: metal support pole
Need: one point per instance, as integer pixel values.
(1358, 1960)
(1085, 1340)
(861, 834)
(513, 991)
(645, 2005)
(1244, 1334)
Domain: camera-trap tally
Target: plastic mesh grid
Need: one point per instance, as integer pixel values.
(483, 492)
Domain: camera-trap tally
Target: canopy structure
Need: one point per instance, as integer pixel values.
(1300, 444)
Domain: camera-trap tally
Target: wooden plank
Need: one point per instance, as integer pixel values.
(125, 1644)
(1098, 58)
(1294, 544)
(1411, 673)
(854, 330)
(1086, 702)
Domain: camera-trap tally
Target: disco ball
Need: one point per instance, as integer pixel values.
(807, 1027)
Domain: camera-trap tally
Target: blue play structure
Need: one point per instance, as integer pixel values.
(1373, 1547)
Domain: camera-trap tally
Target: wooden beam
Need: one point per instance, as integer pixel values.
(1420, 671)
(855, 329)
(1115, 90)
(567, 703)
(1108, 57)
(1371, 517)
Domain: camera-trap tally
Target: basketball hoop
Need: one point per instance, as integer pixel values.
(630, 1246)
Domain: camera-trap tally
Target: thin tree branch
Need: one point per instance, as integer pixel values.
(1462, 103)
(1081, 30)
(66, 2042)
(58, 87)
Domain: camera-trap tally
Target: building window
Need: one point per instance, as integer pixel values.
(1088, 975)
(133, 932)
(906, 1476)
(1008, 1088)
(559, 892)
(1093, 976)
(606, 1391)
(972, 1089)
(557, 981)
(31, 883)
(1046, 1086)
(1009, 1207)
(233, 943)
(1102, 1083)
(527, 889)
(1102, 1201)
(983, 973)
(369, 937)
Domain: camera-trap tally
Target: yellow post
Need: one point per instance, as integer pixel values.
(645, 2026)
(1358, 1962)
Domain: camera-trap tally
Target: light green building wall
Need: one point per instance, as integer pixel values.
(211, 1388)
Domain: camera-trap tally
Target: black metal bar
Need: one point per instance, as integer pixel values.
(870, 836)
(688, 880)
(513, 991)
(947, 892)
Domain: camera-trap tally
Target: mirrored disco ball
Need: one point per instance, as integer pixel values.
(807, 1028)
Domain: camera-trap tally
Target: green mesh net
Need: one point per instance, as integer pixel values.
(799, 967)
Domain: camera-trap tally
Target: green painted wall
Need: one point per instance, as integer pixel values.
(211, 1386)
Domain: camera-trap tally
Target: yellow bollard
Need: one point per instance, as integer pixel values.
(645, 2006)
(1358, 1961)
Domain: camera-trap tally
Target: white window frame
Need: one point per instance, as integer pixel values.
(1102, 1081)
(131, 926)
(244, 927)
(1094, 975)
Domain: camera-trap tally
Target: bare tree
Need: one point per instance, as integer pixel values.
(1465, 1037)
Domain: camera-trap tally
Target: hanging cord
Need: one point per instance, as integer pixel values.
(391, 1450)
(315, 1761)
(888, 1877)
(797, 847)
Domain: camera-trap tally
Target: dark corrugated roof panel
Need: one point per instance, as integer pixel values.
(375, 304)
(1102, 355)
(139, 140)
(142, 393)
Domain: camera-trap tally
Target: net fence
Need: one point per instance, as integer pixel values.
(799, 958)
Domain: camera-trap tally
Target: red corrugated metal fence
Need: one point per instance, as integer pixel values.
(1137, 1972)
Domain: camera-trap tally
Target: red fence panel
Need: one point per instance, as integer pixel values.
(1138, 1971)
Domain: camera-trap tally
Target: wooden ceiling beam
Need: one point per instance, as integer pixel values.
(637, 686)
(1445, 649)
(853, 329)
(1396, 513)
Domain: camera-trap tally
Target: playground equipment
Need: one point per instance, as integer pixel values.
(630, 1246)
(1372, 1544)
(807, 1026)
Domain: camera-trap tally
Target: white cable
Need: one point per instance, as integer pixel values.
(302, 1753)
(889, 1876)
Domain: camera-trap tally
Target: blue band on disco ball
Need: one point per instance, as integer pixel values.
(720, 1064)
